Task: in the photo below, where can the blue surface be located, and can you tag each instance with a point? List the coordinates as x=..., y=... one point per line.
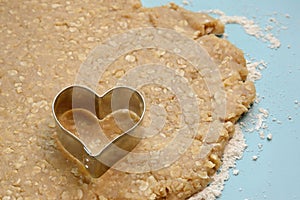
x=275, y=175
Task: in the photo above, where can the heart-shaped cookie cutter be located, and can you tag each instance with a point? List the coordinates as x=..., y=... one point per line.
x=80, y=98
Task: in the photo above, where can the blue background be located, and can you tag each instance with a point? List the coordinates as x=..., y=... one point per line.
x=275, y=175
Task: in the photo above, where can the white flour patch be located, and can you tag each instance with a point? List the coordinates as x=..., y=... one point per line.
x=250, y=27
x=233, y=151
x=255, y=68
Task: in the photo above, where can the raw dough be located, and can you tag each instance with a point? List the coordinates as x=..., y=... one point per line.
x=42, y=46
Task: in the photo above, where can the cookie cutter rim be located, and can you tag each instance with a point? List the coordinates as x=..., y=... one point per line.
x=91, y=162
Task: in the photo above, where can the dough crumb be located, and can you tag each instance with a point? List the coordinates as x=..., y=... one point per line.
x=269, y=137
x=235, y=172
x=254, y=158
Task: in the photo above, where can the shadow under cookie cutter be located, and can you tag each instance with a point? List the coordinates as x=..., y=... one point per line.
x=86, y=109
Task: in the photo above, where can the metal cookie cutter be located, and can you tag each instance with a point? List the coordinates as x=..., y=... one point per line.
x=80, y=113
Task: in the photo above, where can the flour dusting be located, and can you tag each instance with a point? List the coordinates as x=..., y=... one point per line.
x=254, y=68
x=233, y=151
x=250, y=27
x=257, y=122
